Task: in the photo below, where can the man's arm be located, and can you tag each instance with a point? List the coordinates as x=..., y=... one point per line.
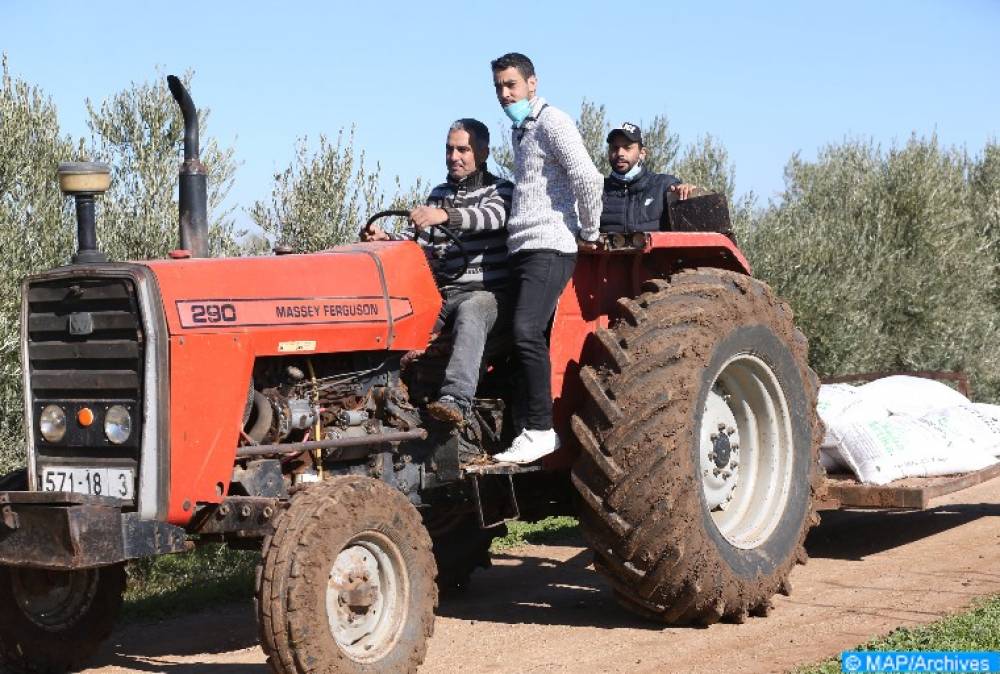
x=421, y=217
x=489, y=214
x=588, y=183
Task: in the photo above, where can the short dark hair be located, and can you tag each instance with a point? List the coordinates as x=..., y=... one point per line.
x=514, y=60
x=479, y=134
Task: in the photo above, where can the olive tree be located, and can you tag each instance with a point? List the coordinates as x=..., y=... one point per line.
x=325, y=195
x=888, y=258
x=140, y=131
x=36, y=229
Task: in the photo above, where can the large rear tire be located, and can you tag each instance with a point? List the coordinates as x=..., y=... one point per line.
x=700, y=449
x=52, y=621
x=346, y=582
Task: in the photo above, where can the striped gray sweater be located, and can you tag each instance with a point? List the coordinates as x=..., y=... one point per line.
x=477, y=209
x=558, y=189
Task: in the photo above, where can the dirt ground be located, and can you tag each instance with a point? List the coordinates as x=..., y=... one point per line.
x=543, y=609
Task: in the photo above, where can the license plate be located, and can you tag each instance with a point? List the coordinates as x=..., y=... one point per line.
x=115, y=482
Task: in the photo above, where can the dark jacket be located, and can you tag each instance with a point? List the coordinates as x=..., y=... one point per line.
x=636, y=206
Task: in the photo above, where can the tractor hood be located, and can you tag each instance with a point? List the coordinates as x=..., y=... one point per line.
x=360, y=297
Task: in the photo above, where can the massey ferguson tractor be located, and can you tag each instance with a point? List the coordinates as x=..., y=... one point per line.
x=278, y=403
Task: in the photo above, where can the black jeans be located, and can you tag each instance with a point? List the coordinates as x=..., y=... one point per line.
x=537, y=280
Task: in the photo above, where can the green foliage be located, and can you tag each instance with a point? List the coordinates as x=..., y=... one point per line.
x=36, y=230
x=140, y=133
x=322, y=198
x=161, y=586
x=974, y=630
x=560, y=530
x=886, y=258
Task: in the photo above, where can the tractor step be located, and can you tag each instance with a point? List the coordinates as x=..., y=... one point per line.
x=498, y=468
x=493, y=490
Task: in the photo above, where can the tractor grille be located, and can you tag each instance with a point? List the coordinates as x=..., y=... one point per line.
x=85, y=349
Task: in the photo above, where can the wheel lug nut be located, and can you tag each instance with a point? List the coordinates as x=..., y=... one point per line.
x=722, y=427
x=730, y=430
x=713, y=436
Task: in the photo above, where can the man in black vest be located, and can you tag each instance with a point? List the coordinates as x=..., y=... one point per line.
x=635, y=199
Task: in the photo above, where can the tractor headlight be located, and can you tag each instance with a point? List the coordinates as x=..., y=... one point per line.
x=117, y=424
x=52, y=423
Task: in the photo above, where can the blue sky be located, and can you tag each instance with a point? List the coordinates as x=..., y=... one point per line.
x=766, y=79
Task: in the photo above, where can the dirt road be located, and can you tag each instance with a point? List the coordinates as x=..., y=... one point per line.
x=543, y=609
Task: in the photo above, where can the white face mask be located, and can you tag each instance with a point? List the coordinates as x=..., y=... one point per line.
x=631, y=174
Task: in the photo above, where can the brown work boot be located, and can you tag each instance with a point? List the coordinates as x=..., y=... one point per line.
x=449, y=409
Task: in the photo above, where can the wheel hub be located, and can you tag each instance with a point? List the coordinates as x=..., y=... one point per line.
x=366, y=596
x=719, y=451
x=723, y=449
x=746, y=451
x=52, y=598
x=354, y=584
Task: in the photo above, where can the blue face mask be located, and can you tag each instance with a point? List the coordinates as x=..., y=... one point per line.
x=519, y=111
x=631, y=174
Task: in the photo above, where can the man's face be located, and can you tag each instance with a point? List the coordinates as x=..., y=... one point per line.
x=459, y=155
x=623, y=153
x=512, y=87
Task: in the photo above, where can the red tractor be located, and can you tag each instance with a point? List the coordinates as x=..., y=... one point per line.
x=269, y=403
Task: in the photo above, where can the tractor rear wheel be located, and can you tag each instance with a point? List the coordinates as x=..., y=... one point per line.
x=700, y=445
x=51, y=621
x=346, y=582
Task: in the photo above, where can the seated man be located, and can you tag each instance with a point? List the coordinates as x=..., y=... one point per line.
x=635, y=198
x=474, y=204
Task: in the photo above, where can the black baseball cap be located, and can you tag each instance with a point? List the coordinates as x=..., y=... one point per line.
x=629, y=130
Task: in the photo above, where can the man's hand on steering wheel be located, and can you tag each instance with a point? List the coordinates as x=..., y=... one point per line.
x=373, y=233
x=423, y=217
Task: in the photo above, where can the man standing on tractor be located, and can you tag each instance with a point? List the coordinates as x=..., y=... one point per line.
x=474, y=204
x=635, y=198
x=556, y=210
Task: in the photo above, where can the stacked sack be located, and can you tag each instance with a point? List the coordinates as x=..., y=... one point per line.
x=904, y=426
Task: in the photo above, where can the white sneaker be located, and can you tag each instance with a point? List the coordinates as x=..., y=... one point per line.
x=530, y=446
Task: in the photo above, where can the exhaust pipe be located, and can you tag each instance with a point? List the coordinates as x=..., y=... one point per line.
x=193, y=178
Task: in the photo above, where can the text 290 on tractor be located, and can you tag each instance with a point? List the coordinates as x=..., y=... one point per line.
x=269, y=403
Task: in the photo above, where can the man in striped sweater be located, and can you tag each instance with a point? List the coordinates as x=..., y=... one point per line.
x=474, y=204
x=556, y=210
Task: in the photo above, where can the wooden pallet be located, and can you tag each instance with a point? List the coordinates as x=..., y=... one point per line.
x=844, y=491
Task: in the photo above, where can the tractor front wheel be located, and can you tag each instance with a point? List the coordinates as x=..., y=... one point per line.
x=346, y=582
x=51, y=621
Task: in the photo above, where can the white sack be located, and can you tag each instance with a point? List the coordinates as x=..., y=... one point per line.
x=840, y=405
x=968, y=426
x=889, y=449
x=830, y=461
x=987, y=410
x=901, y=394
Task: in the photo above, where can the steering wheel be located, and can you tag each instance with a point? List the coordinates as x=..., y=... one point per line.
x=450, y=235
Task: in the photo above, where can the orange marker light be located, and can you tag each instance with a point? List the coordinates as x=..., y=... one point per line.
x=85, y=416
